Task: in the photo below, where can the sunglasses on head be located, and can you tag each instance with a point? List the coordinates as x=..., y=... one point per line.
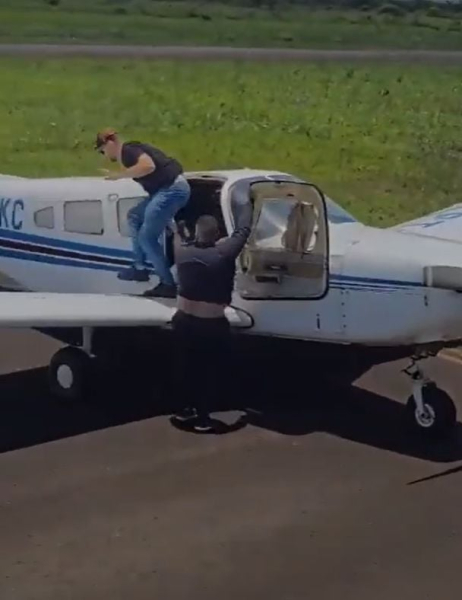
x=101, y=143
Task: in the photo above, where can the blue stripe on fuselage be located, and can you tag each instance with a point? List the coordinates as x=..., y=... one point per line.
x=372, y=280
x=64, y=244
x=57, y=260
x=336, y=281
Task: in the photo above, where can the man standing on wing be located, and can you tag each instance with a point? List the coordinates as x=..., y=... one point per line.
x=168, y=191
x=206, y=271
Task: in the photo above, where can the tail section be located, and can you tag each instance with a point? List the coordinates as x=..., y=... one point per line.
x=444, y=224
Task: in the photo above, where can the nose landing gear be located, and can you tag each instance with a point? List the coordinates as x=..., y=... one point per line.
x=430, y=411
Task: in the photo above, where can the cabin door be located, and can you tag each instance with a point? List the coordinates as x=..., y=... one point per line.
x=287, y=253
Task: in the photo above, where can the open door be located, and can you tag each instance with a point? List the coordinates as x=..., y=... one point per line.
x=287, y=253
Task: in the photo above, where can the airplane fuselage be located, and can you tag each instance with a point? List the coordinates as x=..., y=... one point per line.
x=70, y=235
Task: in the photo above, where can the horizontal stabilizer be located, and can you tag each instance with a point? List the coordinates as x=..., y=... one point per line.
x=35, y=310
x=445, y=224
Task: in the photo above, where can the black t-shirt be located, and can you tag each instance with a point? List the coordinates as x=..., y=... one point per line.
x=167, y=168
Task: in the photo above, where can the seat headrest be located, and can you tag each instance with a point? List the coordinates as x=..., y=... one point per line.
x=300, y=227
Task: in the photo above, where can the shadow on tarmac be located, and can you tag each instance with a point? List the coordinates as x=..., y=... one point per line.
x=30, y=416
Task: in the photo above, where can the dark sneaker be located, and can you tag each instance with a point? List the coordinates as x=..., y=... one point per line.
x=161, y=291
x=183, y=416
x=204, y=425
x=133, y=274
x=189, y=420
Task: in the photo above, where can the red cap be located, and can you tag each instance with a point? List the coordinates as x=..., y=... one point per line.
x=104, y=136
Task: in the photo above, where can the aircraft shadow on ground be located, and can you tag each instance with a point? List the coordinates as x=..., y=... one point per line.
x=29, y=416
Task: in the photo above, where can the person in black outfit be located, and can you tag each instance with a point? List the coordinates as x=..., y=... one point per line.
x=168, y=191
x=206, y=271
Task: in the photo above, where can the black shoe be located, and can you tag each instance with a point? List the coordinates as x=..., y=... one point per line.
x=133, y=274
x=188, y=420
x=204, y=425
x=185, y=415
x=162, y=290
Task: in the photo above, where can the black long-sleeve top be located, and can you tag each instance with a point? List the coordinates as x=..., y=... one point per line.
x=206, y=272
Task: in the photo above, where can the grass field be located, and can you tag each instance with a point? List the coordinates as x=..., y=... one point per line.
x=206, y=23
x=384, y=141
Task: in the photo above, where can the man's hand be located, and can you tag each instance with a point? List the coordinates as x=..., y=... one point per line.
x=182, y=230
x=111, y=175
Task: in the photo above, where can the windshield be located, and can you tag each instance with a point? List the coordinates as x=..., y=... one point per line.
x=337, y=214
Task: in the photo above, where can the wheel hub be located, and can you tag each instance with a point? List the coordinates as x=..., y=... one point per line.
x=427, y=417
x=65, y=376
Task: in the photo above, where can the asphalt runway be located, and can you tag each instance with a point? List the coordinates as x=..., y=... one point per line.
x=320, y=496
x=425, y=57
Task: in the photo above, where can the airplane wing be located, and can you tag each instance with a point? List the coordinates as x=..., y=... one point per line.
x=35, y=310
x=444, y=224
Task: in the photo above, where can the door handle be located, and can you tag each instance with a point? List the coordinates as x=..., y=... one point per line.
x=267, y=279
x=277, y=268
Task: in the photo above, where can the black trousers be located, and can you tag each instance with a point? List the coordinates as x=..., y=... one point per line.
x=203, y=347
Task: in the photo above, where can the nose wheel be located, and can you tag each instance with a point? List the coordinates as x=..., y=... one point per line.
x=430, y=411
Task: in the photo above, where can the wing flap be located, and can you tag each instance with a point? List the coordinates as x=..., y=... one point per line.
x=444, y=224
x=31, y=309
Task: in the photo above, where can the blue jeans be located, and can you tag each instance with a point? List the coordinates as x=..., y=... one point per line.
x=148, y=220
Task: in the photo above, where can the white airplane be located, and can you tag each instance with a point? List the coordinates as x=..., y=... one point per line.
x=354, y=296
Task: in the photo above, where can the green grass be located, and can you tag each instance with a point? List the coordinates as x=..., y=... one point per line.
x=183, y=23
x=384, y=141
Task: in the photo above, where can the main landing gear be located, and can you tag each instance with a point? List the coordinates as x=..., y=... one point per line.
x=72, y=370
x=430, y=410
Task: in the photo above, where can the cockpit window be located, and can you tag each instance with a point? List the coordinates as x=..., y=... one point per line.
x=336, y=214
x=45, y=218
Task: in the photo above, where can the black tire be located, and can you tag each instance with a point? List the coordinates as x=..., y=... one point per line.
x=443, y=414
x=71, y=374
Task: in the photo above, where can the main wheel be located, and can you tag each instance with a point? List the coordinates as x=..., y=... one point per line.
x=70, y=374
x=439, y=417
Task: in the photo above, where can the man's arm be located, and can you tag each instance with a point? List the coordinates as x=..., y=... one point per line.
x=143, y=166
x=232, y=246
x=179, y=236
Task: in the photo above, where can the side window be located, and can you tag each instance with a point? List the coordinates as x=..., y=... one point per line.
x=84, y=216
x=45, y=218
x=123, y=206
